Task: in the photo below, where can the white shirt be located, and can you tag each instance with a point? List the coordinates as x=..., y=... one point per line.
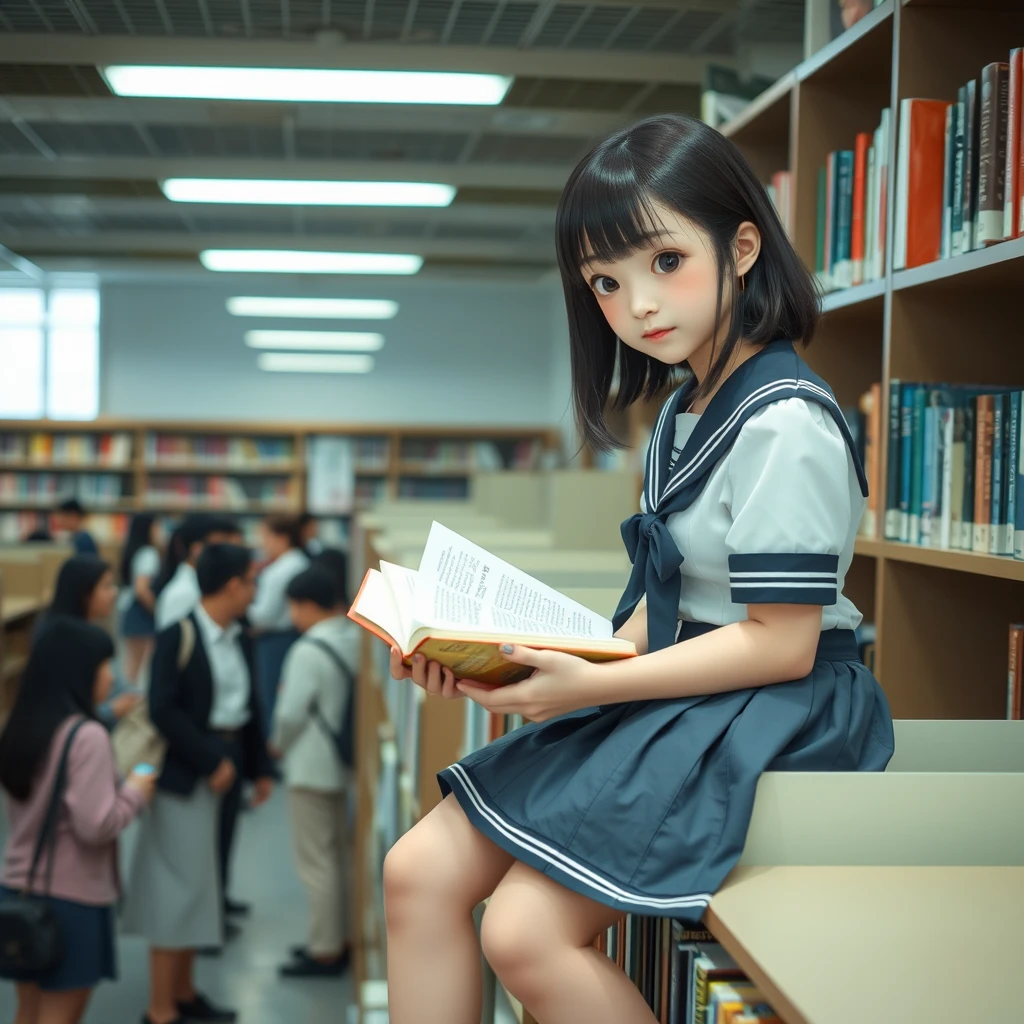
x=179, y=598
x=788, y=486
x=145, y=565
x=230, y=673
x=269, y=611
x=310, y=674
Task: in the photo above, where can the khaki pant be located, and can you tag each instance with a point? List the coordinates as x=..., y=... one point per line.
x=320, y=836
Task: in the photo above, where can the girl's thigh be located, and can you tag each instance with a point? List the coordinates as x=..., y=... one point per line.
x=65, y=1007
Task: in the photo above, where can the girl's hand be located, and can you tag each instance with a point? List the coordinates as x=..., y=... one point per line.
x=435, y=679
x=560, y=684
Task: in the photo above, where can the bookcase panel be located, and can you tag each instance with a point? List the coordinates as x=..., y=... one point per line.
x=847, y=350
x=945, y=641
x=763, y=134
x=861, y=584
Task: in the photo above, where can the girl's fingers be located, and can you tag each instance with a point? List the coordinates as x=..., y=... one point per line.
x=419, y=670
x=448, y=689
x=398, y=670
x=434, y=682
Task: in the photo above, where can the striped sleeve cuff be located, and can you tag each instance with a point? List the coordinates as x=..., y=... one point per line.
x=783, y=579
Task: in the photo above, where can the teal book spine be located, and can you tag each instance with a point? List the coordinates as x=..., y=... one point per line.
x=917, y=465
x=892, y=469
x=997, y=513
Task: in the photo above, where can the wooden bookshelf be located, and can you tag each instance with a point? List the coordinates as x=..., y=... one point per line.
x=381, y=471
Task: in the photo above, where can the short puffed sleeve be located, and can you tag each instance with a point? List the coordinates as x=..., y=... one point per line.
x=792, y=497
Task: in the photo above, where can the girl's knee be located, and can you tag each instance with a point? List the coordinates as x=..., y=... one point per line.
x=514, y=946
x=418, y=874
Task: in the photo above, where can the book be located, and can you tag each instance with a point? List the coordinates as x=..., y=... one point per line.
x=970, y=192
x=1014, y=122
x=995, y=86
x=996, y=512
x=892, y=468
x=957, y=213
x=860, y=186
x=949, y=165
x=984, y=427
x=463, y=602
x=1014, y=669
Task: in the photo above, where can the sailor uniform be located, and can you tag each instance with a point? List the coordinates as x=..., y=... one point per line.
x=644, y=805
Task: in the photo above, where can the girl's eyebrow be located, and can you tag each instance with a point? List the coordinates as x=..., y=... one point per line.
x=647, y=236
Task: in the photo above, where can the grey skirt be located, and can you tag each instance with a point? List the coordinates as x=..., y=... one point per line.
x=173, y=896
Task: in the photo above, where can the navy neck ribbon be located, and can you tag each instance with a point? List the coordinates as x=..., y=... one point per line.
x=775, y=373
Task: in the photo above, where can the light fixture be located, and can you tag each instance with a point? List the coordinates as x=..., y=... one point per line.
x=307, y=85
x=302, y=261
x=312, y=309
x=309, y=362
x=316, y=341
x=307, y=193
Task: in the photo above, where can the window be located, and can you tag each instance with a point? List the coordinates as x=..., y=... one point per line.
x=49, y=353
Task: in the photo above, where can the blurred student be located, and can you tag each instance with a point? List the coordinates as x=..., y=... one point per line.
x=140, y=565
x=309, y=721
x=309, y=533
x=209, y=714
x=85, y=589
x=69, y=522
x=68, y=674
x=282, y=542
x=177, y=587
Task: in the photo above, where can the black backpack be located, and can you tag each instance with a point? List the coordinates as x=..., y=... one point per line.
x=344, y=741
x=31, y=941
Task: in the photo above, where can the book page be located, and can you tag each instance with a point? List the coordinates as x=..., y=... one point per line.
x=376, y=604
x=462, y=585
x=401, y=582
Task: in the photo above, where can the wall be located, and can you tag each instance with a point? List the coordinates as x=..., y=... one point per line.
x=459, y=352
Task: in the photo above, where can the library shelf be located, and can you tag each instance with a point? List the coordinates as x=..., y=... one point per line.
x=419, y=469
x=855, y=296
x=14, y=608
x=225, y=469
x=66, y=467
x=1001, y=567
x=866, y=41
x=45, y=506
x=766, y=115
x=997, y=266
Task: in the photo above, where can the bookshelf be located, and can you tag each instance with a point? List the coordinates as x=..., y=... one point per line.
x=117, y=467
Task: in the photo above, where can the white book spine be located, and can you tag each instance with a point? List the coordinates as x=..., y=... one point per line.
x=899, y=256
x=947, y=188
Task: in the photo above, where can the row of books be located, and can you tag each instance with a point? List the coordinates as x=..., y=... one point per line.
x=220, y=492
x=47, y=489
x=864, y=420
x=107, y=528
x=371, y=454
x=433, y=490
x=107, y=450
x=684, y=974
x=852, y=202
x=954, y=477
x=218, y=450
x=1014, y=672
x=960, y=168
x=466, y=456
x=370, y=489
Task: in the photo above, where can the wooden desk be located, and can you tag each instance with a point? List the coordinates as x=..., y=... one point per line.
x=893, y=945
x=12, y=608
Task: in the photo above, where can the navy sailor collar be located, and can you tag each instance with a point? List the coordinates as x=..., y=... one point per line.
x=774, y=374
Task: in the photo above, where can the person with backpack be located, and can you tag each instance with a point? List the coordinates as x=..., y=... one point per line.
x=66, y=807
x=312, y=732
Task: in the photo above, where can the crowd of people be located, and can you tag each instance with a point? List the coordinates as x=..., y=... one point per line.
x=240, y=671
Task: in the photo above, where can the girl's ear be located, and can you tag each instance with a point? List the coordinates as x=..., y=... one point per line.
x=748, y=247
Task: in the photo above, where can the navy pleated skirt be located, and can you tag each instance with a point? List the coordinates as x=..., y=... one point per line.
x=645, y=806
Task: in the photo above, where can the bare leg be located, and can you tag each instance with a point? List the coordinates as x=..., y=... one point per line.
x=165, y=966
x=538, y=936
x=184, y=986
x=136, y=650
x=63, y=1007
x=434, y=877
x=28, y=1003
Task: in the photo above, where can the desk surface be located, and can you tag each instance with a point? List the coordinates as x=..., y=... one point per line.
x=12, y=608
x=847, y=945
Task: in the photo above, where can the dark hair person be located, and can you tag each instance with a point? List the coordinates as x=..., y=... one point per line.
x=140, y=565
x=84, y=589
x=678, y=275
x=67, y=675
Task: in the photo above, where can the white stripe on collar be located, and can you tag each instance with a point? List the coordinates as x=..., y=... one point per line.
x=653, y=453
x=788, y=384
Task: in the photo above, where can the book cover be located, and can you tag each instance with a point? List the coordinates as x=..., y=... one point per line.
x=892, y=468
x=970, y=206
x=957, y=213
x=870, y=198
x=464, y=602
x=882, y=211
x=1014, y=122
x=929, y=471
x=948, y=162
x=970, y=453
x=920, y=179
x=917, y=463
x=1014, y=670
x=983, y=429
x=842, y=263
x=1018, y=523
x=946, y=429
x=1011, y=453
x=906, y=458
x=995, y=89
x=862, y=145
x=956, y=499
x=997, y=512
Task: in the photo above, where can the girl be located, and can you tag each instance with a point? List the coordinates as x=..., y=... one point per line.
x=632, y=789
x=67, y=676
x=283, y=543
x=140, y=565
x=85, y=589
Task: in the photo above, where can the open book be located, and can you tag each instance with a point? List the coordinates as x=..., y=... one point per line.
x=463, y=602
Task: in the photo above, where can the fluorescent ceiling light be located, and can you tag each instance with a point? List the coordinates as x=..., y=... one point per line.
x=307, y=193
x=316, y=341
x=301, y=261
x=306, y=362
x=308, y=85
x=312, y=309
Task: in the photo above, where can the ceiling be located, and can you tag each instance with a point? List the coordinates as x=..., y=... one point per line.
x=79, y=167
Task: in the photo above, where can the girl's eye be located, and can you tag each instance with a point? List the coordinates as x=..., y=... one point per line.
x=605, y=285
x=667, y=262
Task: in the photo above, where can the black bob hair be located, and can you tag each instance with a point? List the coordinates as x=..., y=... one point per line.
x=315, y=584
x=607, y=212
x=219, y=564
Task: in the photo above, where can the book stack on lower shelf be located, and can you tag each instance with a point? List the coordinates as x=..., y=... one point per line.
x=955, y=479
x=959, y=171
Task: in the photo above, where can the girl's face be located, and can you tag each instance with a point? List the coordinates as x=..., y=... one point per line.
x=661, y=299
x=274, y=544
x=101, y=601
x=104, y=681
x=156, y=536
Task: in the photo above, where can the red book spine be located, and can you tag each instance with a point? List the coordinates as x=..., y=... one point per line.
x=860, y=185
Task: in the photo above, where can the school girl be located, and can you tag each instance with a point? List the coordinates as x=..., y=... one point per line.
x=140, y=565
x=632, y=788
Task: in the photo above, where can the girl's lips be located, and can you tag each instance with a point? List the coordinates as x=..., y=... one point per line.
x=658, y=335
